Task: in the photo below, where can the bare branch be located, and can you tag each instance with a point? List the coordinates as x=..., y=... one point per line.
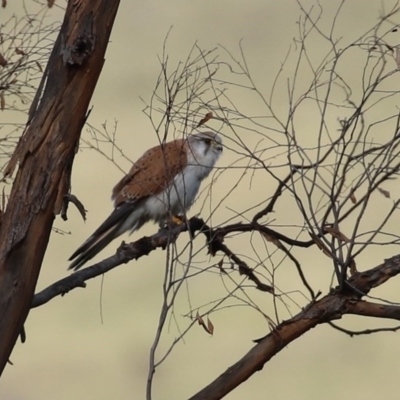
x=368, y=309
x=124, y=254
x=352, y=333
x=331, y=307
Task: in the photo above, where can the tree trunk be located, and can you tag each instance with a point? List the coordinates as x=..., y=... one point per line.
x=45, y=154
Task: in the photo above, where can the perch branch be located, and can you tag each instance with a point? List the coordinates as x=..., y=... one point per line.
x=124, y=254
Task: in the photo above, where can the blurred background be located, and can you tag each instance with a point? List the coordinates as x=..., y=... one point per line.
x=94, y=343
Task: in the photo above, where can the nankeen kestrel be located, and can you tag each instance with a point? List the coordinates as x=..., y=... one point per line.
x=162, y=184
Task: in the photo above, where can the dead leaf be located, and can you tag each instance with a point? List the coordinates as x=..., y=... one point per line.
x=3, y=61
x=208, y=116
x=50, y=3
x=384, y=193
x=353, y=198
x=352, y=267
x=20, y=52
x=337, y=234
x=210, y=326
x=271, y=239
x=3, y=3
x=199, y=319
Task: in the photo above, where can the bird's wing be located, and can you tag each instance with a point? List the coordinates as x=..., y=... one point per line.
x=152, y=173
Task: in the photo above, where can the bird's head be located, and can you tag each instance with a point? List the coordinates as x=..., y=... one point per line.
x=206, y=144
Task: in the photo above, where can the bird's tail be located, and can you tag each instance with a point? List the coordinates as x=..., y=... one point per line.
x=111, y=228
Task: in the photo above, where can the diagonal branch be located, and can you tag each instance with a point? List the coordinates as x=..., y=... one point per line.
x=44, y=157
x=331, y=307
x=364, y=331
x=376, y=310
x=124, y=254
x=140, y=248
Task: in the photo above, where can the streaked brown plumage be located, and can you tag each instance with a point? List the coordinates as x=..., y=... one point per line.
x=162, y=183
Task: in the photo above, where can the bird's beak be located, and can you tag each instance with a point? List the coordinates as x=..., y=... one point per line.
x=217, y=146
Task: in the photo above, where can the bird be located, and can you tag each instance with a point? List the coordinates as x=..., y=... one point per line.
x=161, y=185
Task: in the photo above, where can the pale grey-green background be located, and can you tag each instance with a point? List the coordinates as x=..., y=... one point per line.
x=70, y=352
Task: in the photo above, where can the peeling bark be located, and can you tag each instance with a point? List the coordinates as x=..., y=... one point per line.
x=44, y=156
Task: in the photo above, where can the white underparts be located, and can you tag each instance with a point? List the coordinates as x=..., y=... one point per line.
x=180, y=195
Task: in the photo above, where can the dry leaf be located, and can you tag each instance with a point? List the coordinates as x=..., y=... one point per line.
x=210, y=326
x=199, y=319
x=3, y=3
x=337, y=234
x=3, y=61
x=208, y=116
x=271, y=239
x=352, y=266
x=20, y=52
x=353, y=198
x=384, y=193
x=50, y=3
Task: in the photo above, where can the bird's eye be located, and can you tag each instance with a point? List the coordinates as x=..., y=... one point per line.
x=207, y=141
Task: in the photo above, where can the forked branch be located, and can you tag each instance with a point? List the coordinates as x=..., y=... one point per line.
x=331, y=307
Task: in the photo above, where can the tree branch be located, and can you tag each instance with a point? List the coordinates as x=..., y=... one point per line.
x=364, y=331
x=44, y=156
x=331, y=307
x=376, y=310
x=140, y=248
x=124, y=254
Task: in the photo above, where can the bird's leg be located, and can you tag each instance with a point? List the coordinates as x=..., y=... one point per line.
x=170, y=222
x=177, y=219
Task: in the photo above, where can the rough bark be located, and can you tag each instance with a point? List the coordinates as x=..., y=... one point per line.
x=44, y=156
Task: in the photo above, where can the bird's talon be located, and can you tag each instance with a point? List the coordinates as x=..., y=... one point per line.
x=177, y=219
